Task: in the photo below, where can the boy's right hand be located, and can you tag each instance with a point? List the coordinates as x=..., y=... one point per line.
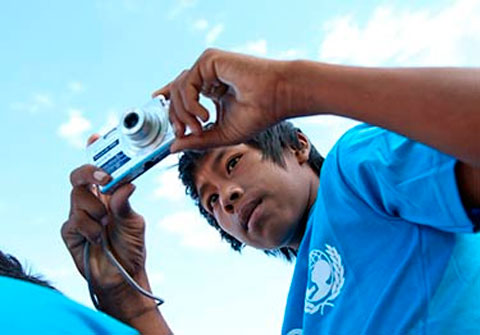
x=250, y=95
x=94, y=216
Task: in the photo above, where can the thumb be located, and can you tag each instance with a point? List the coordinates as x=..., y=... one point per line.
x=207, y=139
x=119, y=201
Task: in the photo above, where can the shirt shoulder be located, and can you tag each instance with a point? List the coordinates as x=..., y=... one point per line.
x=28, y=308
x=399, y=177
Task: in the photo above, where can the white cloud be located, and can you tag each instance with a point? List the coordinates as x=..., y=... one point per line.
x=213, y=34
x=193, y=230
x=75, y=128
x=200, y=24
x=290, y=54
x=255, y=48
x=112, y=121
x=179, y=7
x=169, y=186
x=450, y=36
x=42, y=100
x=38, y=102
x=76, y=87
x=156, y=278
x=59, y=273
x=260, y=48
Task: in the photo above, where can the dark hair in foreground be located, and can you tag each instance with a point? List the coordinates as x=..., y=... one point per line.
x=11, y=267
x=272, y=143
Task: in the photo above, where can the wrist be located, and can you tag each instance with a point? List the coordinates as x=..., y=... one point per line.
x=292, y=90
x=284, y=96
x=123, y=301
x=131, y=307
x=306, y=88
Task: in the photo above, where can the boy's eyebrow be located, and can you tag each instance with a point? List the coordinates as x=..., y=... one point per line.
x=218, y=158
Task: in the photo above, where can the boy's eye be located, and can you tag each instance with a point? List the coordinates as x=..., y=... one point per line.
x=212, y=199
x=232, y=162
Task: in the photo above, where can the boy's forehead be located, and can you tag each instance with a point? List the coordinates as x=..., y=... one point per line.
x=211, y=161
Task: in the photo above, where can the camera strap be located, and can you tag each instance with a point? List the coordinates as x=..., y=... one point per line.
x=123, y=272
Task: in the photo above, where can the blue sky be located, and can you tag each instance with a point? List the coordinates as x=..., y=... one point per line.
x=70, y=68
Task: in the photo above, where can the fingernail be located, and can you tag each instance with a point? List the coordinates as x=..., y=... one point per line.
x=175, y=129
x=100, y=175
x=104, y=220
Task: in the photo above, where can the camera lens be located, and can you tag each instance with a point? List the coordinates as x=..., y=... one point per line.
x=130, y=120
x=146, y=126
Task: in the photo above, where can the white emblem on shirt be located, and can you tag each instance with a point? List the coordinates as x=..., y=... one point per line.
x=326, y=279
x=297, y=331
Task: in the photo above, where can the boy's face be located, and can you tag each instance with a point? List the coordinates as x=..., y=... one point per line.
x=255, y=200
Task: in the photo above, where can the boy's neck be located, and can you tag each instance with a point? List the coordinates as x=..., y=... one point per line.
x=302, y=225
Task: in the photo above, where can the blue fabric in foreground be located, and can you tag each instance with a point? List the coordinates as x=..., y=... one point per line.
x=27, y=308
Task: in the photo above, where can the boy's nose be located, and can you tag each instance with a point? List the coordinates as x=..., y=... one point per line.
x=232, y=195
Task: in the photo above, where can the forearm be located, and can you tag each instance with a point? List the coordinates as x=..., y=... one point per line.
x=126, y=304
x=437, y=106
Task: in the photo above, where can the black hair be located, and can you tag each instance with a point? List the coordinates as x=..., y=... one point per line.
x=11, y=267
x=271, y=142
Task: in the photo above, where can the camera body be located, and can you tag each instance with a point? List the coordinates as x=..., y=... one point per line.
x=141, y=140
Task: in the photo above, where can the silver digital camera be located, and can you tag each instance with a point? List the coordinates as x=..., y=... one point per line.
x=141, y=140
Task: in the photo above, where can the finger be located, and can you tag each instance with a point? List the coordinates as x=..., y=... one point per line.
x=74, y=243
x=92, y=139
x=71, y=239
x=178, y=127
x=190, y=93
x=81, y=224
x=208, y=139
x=88, y=175
x=81, y=199
x=182, y=115
x=165, y=91
x=190, y=98
x=209, y=73
x=219, y=110
x=119, y=202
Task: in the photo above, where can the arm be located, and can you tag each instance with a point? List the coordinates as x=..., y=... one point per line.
x=438, y=106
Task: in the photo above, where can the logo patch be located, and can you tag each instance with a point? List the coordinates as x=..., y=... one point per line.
x=326, y=279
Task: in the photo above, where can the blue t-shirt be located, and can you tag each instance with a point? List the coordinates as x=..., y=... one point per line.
x=383, y=251
x=27, y=308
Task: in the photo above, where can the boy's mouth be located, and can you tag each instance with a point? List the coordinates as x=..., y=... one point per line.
x=246, y=211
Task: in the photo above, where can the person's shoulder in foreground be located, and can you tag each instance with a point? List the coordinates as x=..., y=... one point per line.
x=27, y=308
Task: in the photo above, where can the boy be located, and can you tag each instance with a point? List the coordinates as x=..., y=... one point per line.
x=377, y=235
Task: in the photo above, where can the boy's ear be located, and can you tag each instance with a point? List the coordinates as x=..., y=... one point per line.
x=303, y=152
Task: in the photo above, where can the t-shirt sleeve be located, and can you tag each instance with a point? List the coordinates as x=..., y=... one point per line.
x=402, y=178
